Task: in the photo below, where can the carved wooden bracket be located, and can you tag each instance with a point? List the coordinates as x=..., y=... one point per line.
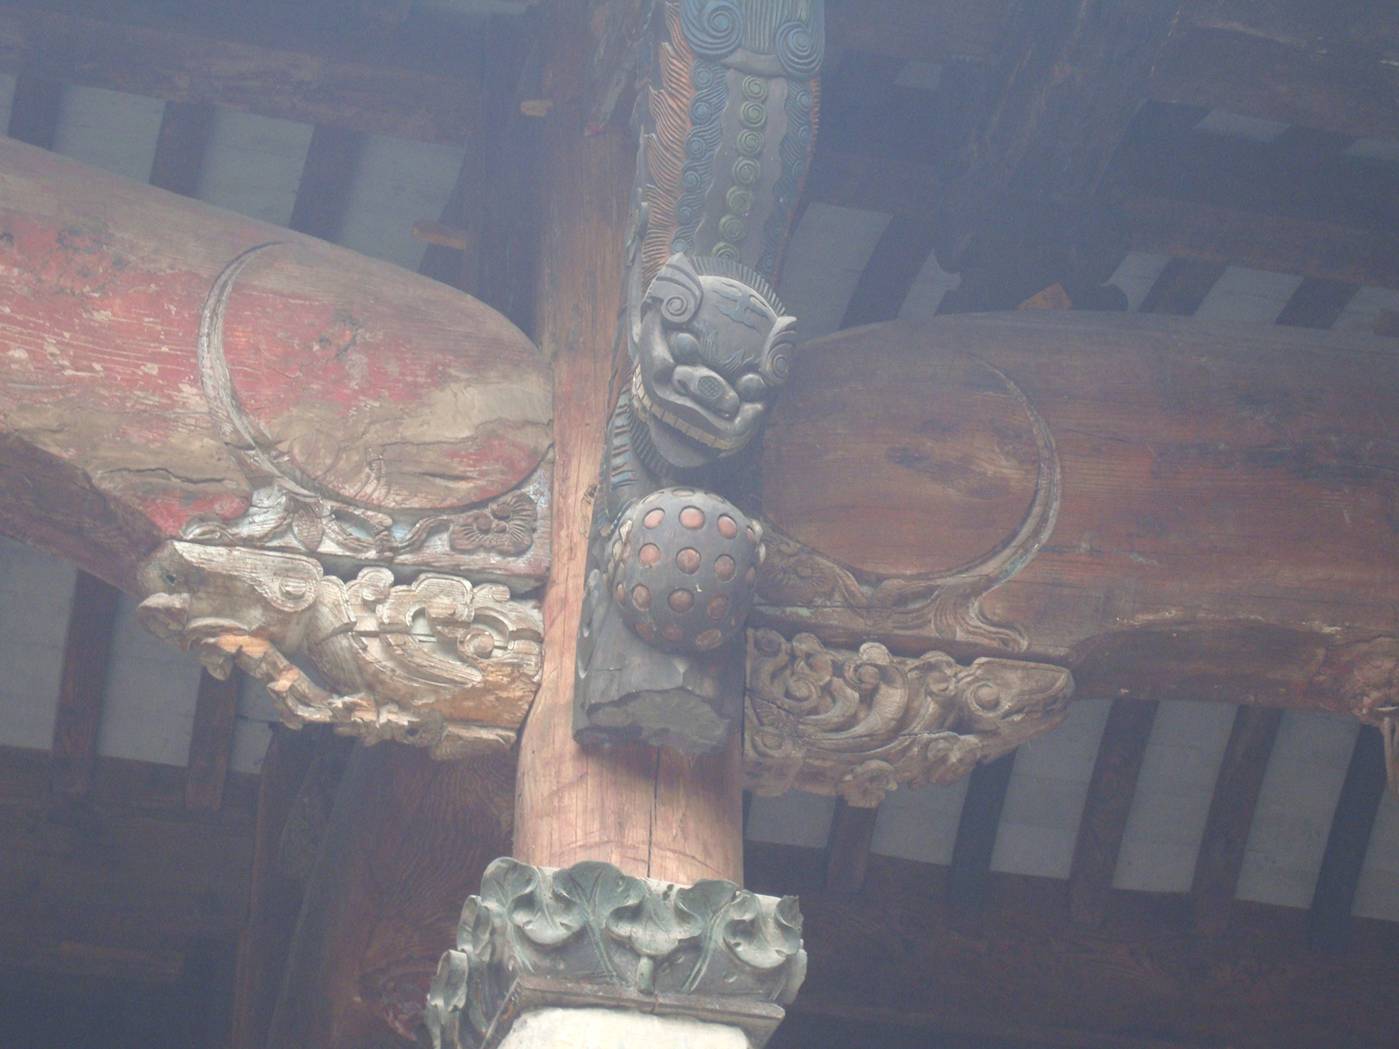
x=860, y=724
x=593, y=936
x=439, y=662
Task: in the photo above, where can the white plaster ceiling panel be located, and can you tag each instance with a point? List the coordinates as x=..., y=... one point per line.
x=1364, y=309
x=1135, y=275
x=920, y=823
x=152, y=687
x=926, y=293
x=7, y=96
x=794, y=818
x=1377, y=895
x=1243, y=294
x=253, y=164
x=827, y=254
x=397, y=183
x=1172, y=800
x=109, y=129
x=1300, y=788
x=1045, y=797
x=36, y=593
x=1236, y=125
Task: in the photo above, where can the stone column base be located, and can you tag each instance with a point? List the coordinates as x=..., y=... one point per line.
x=710, y=957
x=618, y=1029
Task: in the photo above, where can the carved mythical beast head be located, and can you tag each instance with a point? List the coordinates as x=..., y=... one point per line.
x=711, y=349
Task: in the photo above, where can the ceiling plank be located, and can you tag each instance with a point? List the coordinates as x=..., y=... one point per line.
x=970, y=872
x=1329, y=922
x=211, y=745
x=848, y=850
x=1182, y=286
x=1236, y=792
x=323, y=193
x=87, y=652
x=894, y=954
x=1105, y=810
x=918, y=30
x=290, y=76
x=180, y=146
x=34, y=110
x=1324, y=66
x=894, y=265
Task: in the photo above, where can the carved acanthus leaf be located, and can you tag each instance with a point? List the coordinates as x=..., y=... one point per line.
x=859, y=724
x=440, y=662
x=711, y=950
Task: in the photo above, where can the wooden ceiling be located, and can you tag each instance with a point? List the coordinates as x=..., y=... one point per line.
x=1021, y=146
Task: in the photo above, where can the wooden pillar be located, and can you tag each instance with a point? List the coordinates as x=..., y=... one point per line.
x=650, y=812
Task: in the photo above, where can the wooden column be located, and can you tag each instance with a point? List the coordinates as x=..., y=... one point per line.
x=650, y=812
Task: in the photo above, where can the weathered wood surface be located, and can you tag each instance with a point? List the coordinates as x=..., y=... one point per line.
x=82, y=687
x=1028, y=976
x=649, y=812
x=375, y=391
x=195, y=54
x=1221, y=526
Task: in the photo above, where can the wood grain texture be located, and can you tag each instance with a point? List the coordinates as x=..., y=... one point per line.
x=87, y=650
x=211, y=742
x=918, y=30
x=383, y=388
x=1106, y=808
x=653, y=813
x=1330, y=926
x=1224, y=526
x=1235, y=798
x=1289, y=61
x=306, y=78
x=1028, y=976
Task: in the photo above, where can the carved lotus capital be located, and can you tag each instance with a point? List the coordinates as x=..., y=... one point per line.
x=591, y=935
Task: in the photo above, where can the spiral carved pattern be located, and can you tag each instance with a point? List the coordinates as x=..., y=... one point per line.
x=714, y=28
x=801, y=47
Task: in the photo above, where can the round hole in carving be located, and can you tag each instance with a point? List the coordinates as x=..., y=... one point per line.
x=728, y=527
x=681, y=600
x=709, y=639
x=621, y=593
x=692, y=517
x=641, y=597
x=654, y=518
x=718, y=607
x=688, y=560
x=724, y=566
x=650, y=555
x=645, y=631
x=671, y=632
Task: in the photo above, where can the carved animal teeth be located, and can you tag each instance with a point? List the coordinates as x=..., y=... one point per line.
x=655, y=411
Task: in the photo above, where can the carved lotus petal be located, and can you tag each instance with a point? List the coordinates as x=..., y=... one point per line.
x=761, y=938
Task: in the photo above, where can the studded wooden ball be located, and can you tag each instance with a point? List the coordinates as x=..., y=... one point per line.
x=682, y=571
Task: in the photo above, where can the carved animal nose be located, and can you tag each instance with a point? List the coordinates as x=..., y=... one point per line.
x=708, y=388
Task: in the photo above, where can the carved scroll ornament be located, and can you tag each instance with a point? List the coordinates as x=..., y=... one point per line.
x=440, y=662
x=859, y=724
x=591, y=935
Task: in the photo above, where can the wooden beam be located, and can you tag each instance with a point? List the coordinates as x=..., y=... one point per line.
x=894, y=265
x=1330, y=926
x=1192, y=553
x=323, y=194
x=1288, y=61
x=34, y=110
x=87, y=650
x=1110, y=793
x=279, y=74
x=893, y=954
x=1182, y=286
x=918, y=30
x=848, y=850
x=1236, y=791
x=104, y=454
x=1320, y=250
x=1317, y=302
x=179, y=148
x=970, y=873
x=211, y=744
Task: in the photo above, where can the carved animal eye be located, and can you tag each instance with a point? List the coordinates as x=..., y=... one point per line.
x=685, y=348
x=751, y=387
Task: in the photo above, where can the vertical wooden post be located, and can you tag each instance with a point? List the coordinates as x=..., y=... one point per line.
x=653, y=813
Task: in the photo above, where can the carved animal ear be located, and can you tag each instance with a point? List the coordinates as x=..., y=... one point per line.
x=676, y=289
x=777, y=354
